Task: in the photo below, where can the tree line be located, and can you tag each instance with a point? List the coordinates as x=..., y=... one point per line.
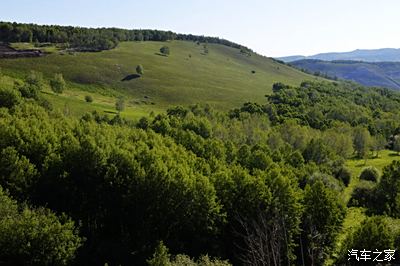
x=94, y=38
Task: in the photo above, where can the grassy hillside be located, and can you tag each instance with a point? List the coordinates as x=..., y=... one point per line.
x=222, y=78
x=383, y=74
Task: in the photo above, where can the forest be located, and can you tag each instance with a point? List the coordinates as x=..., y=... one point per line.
x=94, y=39
x=257, y=185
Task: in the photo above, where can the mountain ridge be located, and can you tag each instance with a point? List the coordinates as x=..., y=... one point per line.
x=366, y=55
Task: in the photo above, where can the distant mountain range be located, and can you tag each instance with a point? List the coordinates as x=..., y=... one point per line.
x=377, y=55
x=379, y=74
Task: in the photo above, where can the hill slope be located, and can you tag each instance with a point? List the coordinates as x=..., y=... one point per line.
x=222, y=78
x=383, y=74
x=374, y=55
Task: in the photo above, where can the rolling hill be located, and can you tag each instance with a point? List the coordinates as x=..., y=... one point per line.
x=374, y=55
x=380, y=74
x=224, y=77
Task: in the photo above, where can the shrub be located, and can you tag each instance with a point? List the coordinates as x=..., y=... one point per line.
x=120, y=104
x=164, y=50
x=363, y=195
x=88, y=98
x=370, y=174
x=58, y=84
x=140, y=70
x=344, y=175
x=9, y=97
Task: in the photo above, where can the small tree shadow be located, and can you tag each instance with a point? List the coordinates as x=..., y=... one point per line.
x=161, y=54
x=130, y=77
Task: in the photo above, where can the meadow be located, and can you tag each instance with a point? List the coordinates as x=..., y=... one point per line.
x=222, y=78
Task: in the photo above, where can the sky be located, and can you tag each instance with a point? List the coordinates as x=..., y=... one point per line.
x=270, y=27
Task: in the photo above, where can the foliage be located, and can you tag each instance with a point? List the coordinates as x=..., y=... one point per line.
x=9, y=97
x=120, y=104
x=372, y=234
x=161, y=257
x=35, y=236
x=94, y=38
x=58, y=84
x=323, y=216
x=88, y=99
x=140, y=69
x=164, y=50
x=370, y=174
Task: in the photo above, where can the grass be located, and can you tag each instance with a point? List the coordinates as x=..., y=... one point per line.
x=223, y=78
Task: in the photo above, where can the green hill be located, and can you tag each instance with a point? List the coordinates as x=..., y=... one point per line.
x=224, y=77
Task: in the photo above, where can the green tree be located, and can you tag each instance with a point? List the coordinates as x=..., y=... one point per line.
x=378, y=143
x=322, y=219
x=388, y=191
x=362, y=142
x=160, y=257
x=35, y=236
x=396, y=144
x=17, y=174
x=164, y=50
x=58, y=84
x=120, y=104
x=35, y=81
x=140, y=70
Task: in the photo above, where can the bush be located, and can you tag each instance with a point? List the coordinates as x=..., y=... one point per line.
x=58, y=84
x=370, y=174
x=344, y=175
x=161, y=257
x=9, y=97
x=88, y=98
x=363, y=195
x=140, y=70
x=164, y=50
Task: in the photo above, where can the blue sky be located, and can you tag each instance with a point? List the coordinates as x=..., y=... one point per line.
x=272, y=28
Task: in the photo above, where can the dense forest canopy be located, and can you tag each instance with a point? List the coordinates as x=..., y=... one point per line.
x=258, y=183
x=94, y=38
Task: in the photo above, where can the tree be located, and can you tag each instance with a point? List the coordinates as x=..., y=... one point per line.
x=140, y=70
x=160, y=257
x=388, y=191
x=164, y=50
x=120, y=104
x=322, y=219
x=58, y=84
x=362, y=142
x=17, y=174
x=35, y=81
x=35, y=236
x=396, y=144
x=378, y=143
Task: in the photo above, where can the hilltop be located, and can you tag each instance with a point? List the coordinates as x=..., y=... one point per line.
x=372, y=55
x=224, y=77
x=380, y=74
